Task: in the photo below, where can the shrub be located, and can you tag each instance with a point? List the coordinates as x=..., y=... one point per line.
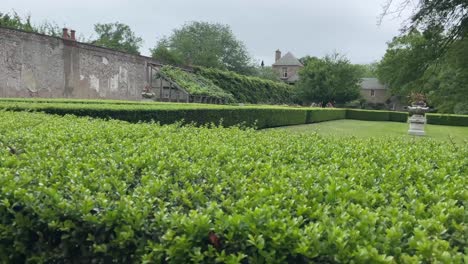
x=249, y=89
x=82, y=190
x=260, y=117
x=369, y=115
x=194, y=84
x=325, y=114
x=447, y=120
x=398, y=116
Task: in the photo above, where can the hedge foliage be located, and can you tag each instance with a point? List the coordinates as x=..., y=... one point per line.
x=81, y=190
x=375, y=115
x=261, y=116
x=324, y=114
x=447, y=120
x=252, y=116
x=195, y=84
x=249, y=89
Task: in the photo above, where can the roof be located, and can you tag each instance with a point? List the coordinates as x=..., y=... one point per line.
x=288, y=60
x=372, y=83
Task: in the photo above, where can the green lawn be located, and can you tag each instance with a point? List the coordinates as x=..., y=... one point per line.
x=366, y=129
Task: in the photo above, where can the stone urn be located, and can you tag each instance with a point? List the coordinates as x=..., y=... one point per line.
x=417, y=119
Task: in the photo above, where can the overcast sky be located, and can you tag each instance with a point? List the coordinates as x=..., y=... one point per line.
x=304, y=27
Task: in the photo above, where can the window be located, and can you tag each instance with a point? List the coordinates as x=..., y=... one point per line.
x=284, y=72
x=372, y=93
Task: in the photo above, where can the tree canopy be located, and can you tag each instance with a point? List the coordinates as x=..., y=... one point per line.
x=449, y=15
x=330, y=79
x=413, y=63
x=15, y=21
x=430, y=55
x=117, y=36
x=204, y=44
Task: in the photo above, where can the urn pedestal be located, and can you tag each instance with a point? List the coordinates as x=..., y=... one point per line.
x=417, y=120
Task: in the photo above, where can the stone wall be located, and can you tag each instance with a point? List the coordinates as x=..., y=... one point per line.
x=380, y=95
x=35, y=65
x=292, y=70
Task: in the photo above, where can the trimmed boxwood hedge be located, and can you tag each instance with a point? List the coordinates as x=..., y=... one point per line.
x=367, y=115
x=324, y=114
x=447, y=120
x=80, y=190
x=398, y=116
x=375, y=115
x=258, y=116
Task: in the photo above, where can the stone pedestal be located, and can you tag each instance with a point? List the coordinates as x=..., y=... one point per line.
x=416, y=125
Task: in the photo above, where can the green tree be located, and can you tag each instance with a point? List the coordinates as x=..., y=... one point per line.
x=117, y=36
x=13, y=20
x=163, y=53
x=266, y=73
x=449, y=15
x=430, y=55
x=412, y=63
x=208, y=45
x=405, y=61
x=368, y=70
x=331, y=79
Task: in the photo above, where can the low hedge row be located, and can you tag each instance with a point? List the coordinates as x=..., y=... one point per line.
x=320, y=115
x=447, y=120
x=372, y=115
x=259, y=116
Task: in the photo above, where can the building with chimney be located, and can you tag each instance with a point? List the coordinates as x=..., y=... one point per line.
x=287, y=67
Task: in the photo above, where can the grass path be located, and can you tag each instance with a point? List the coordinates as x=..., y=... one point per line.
x=366, y=129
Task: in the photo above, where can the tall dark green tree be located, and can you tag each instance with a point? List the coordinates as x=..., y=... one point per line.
x=331, y=79
x=205, y=44
x=117, y=36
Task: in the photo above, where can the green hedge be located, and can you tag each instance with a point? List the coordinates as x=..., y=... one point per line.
x=83, y=190
x=320, y=115
x=398, y=117
x=369, y=115
x=195, y=84
x=375, y=115
x=248, y=89
x=260, y=116
x=447, y=120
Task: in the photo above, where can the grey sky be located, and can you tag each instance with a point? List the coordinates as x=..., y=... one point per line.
x=304, y=27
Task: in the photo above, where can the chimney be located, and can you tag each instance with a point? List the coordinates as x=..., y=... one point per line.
x=277, y=55
x=72, y=37
x=65, y=33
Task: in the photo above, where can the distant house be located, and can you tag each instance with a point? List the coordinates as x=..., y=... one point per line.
x=287, y=67
x=374, y=91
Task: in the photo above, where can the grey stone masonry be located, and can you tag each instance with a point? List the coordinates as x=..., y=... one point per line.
x=36, y=65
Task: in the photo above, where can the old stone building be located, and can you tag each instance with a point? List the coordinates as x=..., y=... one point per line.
x=287, y=67
x=373, y=91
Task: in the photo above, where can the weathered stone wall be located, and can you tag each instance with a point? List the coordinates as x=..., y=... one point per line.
x=380, y=95
x=35, y=65
x=292, y=70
